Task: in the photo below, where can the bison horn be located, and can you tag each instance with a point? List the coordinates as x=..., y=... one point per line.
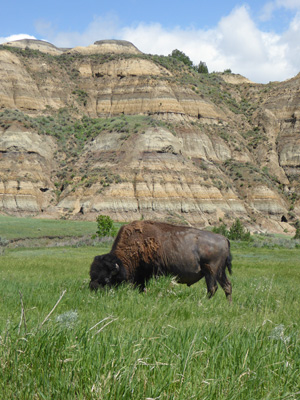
x=116, y=270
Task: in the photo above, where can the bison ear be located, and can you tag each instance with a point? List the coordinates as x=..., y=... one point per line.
x=116, y=269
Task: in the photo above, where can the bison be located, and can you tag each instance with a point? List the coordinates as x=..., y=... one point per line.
x=143, y=249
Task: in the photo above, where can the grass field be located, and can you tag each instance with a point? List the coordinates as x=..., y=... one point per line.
x=20, y=228
x=168, y=343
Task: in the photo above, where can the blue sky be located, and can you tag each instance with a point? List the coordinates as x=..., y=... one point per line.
x=260, y=40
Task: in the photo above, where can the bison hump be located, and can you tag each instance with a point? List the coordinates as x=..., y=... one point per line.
x=136, y=247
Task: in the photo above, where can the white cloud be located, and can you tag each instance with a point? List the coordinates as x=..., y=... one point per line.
x=267, y=11
x=272, y=6
x=291, y=38
x=15, y=37
x=236, y=43
x=260, y=56
x=288, y=4
x=100, y=28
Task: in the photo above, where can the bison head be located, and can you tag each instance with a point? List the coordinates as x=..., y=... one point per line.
x=106, y=270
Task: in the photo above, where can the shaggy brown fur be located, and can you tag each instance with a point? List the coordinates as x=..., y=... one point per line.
x=134, y=245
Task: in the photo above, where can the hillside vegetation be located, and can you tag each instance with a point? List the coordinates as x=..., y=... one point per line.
x=94, y=131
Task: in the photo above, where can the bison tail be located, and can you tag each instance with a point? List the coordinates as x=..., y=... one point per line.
x=229, y=264
x=229, y=260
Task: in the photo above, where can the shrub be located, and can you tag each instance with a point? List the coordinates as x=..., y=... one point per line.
x=105, y=226
x=222, y=230
x=202, y=68
x=179, y=55
x=236, y=232
x=3, y=243
x=297, y=233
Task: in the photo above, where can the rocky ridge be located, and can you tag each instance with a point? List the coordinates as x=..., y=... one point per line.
x=108, y=130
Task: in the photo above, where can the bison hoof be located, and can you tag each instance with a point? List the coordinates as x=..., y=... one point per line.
x=94, y=285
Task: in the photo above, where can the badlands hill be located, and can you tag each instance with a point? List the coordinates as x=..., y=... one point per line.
x=106, y=129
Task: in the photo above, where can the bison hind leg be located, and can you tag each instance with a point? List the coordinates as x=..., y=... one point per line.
x=226, y=286
x=211, y=284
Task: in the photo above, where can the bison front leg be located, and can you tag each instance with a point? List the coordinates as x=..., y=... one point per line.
x=139, y=283
x=141, y=286
x=94, y=285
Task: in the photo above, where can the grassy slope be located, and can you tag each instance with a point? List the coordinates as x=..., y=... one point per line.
x=19, y=228
x=170, y=343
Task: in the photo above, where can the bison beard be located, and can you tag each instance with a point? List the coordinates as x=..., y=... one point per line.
x=144, y=249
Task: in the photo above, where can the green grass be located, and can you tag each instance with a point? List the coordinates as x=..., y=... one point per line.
x=168, y=343
x=18, y=228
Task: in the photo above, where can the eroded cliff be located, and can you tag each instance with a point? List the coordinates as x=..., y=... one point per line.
x=108, y=130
